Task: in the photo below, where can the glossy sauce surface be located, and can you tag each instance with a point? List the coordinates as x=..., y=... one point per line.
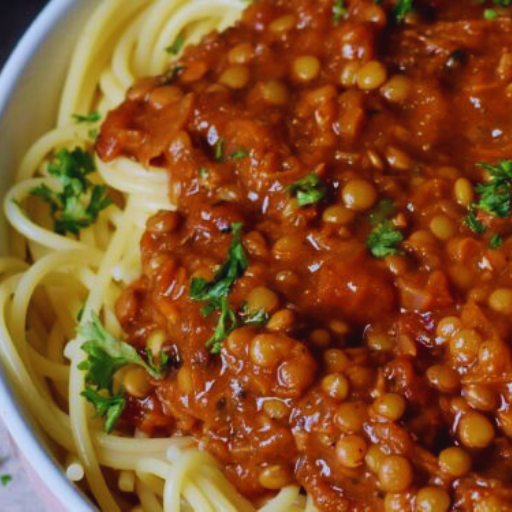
x=381, y=379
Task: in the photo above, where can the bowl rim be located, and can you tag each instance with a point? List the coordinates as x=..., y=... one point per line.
x=36, y=455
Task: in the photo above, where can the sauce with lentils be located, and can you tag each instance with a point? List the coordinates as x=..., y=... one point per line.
x=334, y=290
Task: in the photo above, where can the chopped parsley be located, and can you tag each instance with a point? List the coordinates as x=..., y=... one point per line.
x=176, y=46
x=384, y=240
x=172, y=74
x=161, y=366
x=226, y=324
x=93, y=117
x=495, y=241
x=203, y=172
x=219, y=150
x=110, y=407
x=310, y=190
x=473, y=223
x=492, y=14
x=215, y=293
x=106, y=355
x=78, y=203
x=384, y=209
x=402, y=9
x=493, y=196
x=238, y=154
x=5, y=479
x=255, y=318
x=80, y=313
x=338, y=10
x=93, y=134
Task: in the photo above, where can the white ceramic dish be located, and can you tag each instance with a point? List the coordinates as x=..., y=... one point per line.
x=30, y=85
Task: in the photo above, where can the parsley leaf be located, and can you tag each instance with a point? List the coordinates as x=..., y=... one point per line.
x=338, y=11
x=309, y=190
x=72, y=169
x=402, y=9
x=239, y=154
x=225, y=326
x=93, y=117
x=384, y=209
x=110, y=407
x=5, y=479
x=215, y=292
x=257, y=318
x=492, y=14
x=233, y=268
x=78, y=204
x=93, y=134
x=383, y=240
x=203, y=172
x=495, y=241
x=160, y=366
x=219, y=150
x=107, y=354
x=176, y=46
x=172, y=74
x=494, y=195
x=473, y=223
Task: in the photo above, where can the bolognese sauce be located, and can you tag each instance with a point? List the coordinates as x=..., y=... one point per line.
x=334, y=292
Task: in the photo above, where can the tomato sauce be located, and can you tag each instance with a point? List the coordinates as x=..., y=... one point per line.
x=380, y=377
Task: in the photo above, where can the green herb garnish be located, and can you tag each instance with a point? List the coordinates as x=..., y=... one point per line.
x=176, y=46
x=93, y=134
x=492, y=14
x=473, y=223
x=384, y=239
x=494, y=195
x=5, y=479
x=257, y=318
x=172, y=74
x=219, y=150
x=215, y=293
x=161, y=366
x=225, y=326
x=93, y=117
x=238, y=154
x=309, y=190
x=79, y=202
x=80, y=313
x=106, y=355
x=338, y=10
x=384, y=209
x=402, y=9
x=495, y=241
x=110, y=407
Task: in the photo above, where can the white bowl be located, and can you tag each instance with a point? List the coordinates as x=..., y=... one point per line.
x=30, y=85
